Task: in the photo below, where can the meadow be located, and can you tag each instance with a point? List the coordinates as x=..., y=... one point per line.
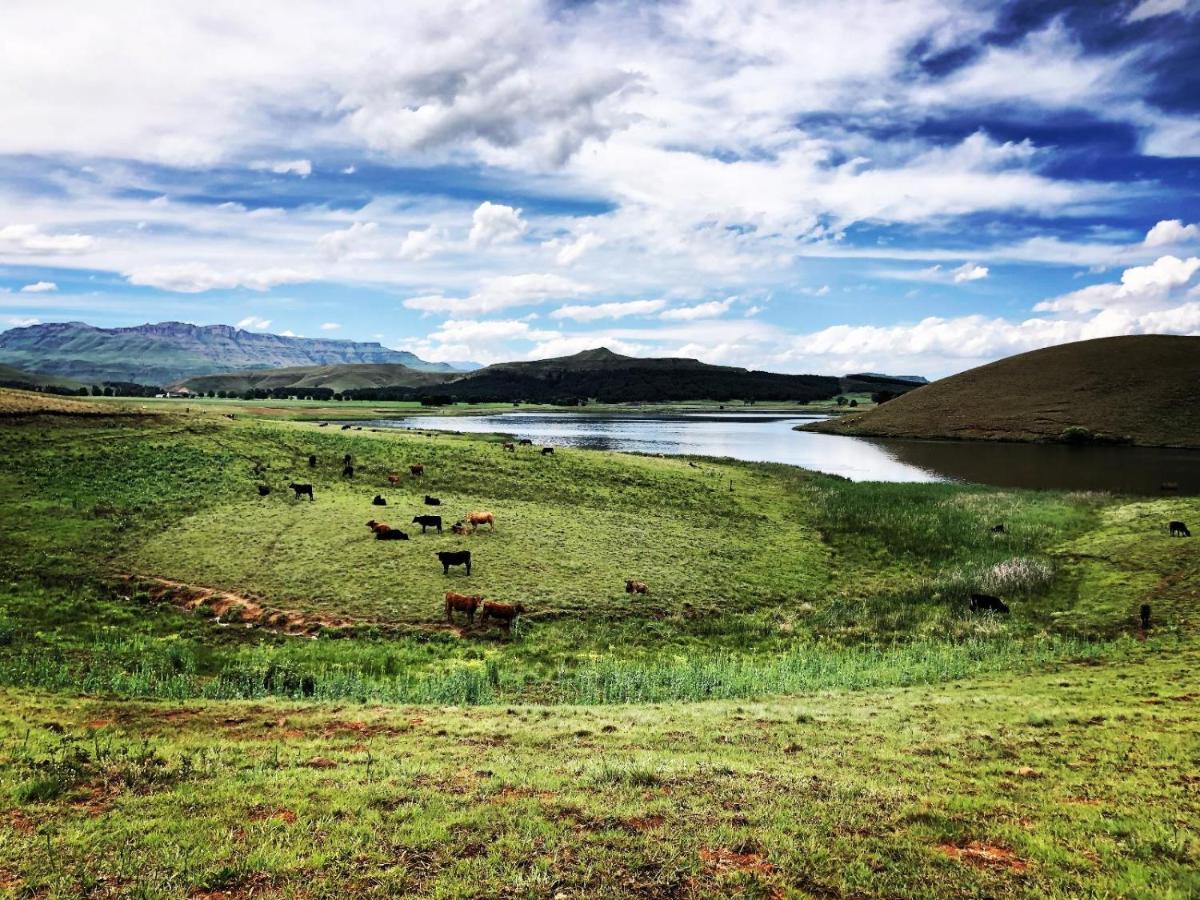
x=802, y=704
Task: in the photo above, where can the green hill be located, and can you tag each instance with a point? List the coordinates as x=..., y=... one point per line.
x=10, y=376
x=336, y=378
x=1139, y=389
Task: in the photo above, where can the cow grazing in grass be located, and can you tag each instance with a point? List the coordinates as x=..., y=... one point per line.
x=302, y=490
x=509, y=447
x=428, y=522
x=378, y=500
x=987, y=603
x=464, y=603
x=450, y=558
x=504, y=613
x=547, y=451
x=636, y=587
x=1178, y=529
x=263, y=489
x=525, y=442
x=417, y=470
x=999, y=529
x=312, y=461
x=432, y=501
x=322, y=424
x=345, y=428
x=476, y=519
x=394, y=479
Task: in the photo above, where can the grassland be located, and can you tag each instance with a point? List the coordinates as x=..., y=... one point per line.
x=802, y=705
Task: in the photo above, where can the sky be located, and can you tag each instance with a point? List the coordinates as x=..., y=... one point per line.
x=899, y=186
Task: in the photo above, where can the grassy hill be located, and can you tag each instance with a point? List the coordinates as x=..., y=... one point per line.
x=1140, y=389
x=337, y=378
x=12, y=377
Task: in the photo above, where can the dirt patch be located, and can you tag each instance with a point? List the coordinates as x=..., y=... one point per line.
x=988, y=856
x=321, y=762
x=720, y=860
x=646, y=823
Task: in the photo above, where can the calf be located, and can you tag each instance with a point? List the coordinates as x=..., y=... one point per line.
x=378, y=501
x=394, y=479
x=301, y=490
x=464, y=603
x=636, y=587
x=510, y=448
x=504, y=613
x=450, y=558
x=428, y=522
x=1178, y=529
x=432, y=501
x=416, y=470
x=263, y=489
x=458, y=528
x=547, y=451
x=987, y=603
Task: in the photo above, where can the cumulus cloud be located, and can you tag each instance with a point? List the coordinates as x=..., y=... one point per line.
x=195, y=278
x=1140, y=287
x=501, y=292
x=355, y=242
x=30, y=239
x=571, y=252
x=710, y=310
x=1171, y=231
x=422, y=243
x=21, y=321
x=608, y=310
x=254, y=323
x=494, y=223
x=39, y=287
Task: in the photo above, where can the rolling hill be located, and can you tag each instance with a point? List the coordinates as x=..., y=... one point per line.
x=170, y=351
x=335, y=378
x=13, y=377
x=1139, y=389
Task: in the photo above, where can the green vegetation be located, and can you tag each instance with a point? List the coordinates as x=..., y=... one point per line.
x=802, y=704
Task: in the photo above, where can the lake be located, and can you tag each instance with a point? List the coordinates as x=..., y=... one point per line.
x=769, y=437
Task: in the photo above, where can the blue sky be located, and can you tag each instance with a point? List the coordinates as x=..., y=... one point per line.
x=913, y=187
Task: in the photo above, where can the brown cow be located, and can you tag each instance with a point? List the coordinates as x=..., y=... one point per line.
x=458, y=528
x=394, y=479
x=465, y=603
x=504, y=613
x=416, y=470
x=377, y=526
x=476, y=519
x=636, y=587
x=510, y=447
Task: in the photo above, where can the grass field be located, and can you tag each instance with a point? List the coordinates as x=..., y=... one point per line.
x=802, y=704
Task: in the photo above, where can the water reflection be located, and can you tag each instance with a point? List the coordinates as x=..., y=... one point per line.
x=768, y=437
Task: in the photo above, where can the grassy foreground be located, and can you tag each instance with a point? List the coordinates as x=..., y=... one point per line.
x=801, y=706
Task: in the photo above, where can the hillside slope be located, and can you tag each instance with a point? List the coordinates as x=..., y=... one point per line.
x=10, y=376
x=1139, y=389
x=336, y=378
x=169, y=351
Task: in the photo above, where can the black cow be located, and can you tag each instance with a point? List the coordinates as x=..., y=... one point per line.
x=1145, y=614
x=263, y=490
x=987, y=603
x=312, y=461
x=347, y=459
x=301, y=490
x=428, y=522
x=525, y=442
x=450, y=558
x=1178, y=529
x=379, y=501
x=348, y=471
x=999, y=529
x=432, y=501
x=390, y=534
x=546, y=451
x=345, y=428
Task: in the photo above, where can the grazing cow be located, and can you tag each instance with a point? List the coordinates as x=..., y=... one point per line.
x=432, y=501
x=394, y=479
x=1178, y=529
x=312, y=461
x=999, y=529
x=263, y=490
x=476, y=519
x=986, y=603
x=1145, y=614
x=378, y=501
x=636, y=587
x=450, y=558
x=458, y=528
x=390, y=534
x=345, y=428
x=416, y=470
x=525, y=442
x=322, y=424
x=348, y=471
x=504, y=613
x=301, y=490
x=510, y=447
x=547, y=451
x=464, y=603
x=428, y=522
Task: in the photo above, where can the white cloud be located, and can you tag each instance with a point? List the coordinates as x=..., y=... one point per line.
x=287, y=333
x=422, y=244
x=1171, y=231
x=501, y=292
x=301, y=167
x=355, y=242
x=608, y=310
x=194, y=278
x=969, y=272
x=39, y=287
x=493, y=223
x=710, y=310
x=30, y=239
x=21, y=321
x=572, y=252
x=1140, y=287
x=962, y=274
x=1150, y=9
x=330, y=326
x=254, y=323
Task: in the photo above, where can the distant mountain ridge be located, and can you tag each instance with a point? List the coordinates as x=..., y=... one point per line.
x=353, y=376
x=166, y=352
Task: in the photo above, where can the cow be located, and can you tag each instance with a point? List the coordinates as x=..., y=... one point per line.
x=312, y=461
x=417, y=470
x=263, y=489
x=476, y=519
x=378, y=500
x=390, y=534
x=547, y=451
x=1178, y=529
x=987, y=603
x=636, y=587
x=428, y=522
x=432, y=501
x=525, y=442
x=504, y=613
x=394, y=479
x=301, y=490
x=345, y=428
x=458, y=528
x=450, y=558
x=1145, y=616
x=510, y=447
x=464, y=603
x=999, y=529
x=322, y=424
x=347, y=460
x=377, y=526
x=347, y=471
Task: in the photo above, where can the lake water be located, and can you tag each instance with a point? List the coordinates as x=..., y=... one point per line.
x=769, y=437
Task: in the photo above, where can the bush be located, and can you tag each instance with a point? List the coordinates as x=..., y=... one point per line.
x=1076, y=435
